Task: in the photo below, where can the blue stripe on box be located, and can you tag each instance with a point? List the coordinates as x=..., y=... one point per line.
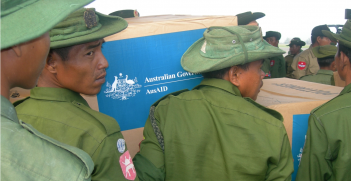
x=299, y=131
x=152, y=64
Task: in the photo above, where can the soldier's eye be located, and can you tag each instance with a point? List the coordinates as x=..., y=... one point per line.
x=90, y=53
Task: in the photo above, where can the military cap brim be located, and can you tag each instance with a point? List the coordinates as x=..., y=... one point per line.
x=33, y=19
x=300, y=43
x=344, y=37
x=247, y=17
x=272, y=34
x=195, y=61
x=109, y=26
x=126, y=13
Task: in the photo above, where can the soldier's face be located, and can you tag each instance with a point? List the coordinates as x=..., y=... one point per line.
x=340, y=59
x=253, y=23
x=273, y=41
x=294, y=49
x=250, y=80
x=84, y=70
x=324, y=41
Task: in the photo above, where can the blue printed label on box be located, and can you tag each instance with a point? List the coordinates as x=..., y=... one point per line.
x=141, y=71
x=299, y=131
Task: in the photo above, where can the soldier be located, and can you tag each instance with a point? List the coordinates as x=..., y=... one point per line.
x=326, y=155
x=249, y=18
x=26, y=154
x=277, y=64
x=295, y=48
x=74, y=66
x=325, y=56
x=216, y=130
x=306, y=63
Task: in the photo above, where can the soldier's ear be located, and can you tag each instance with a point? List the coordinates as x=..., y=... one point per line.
x=17, y=50
x=234, y=75
x=51, y=62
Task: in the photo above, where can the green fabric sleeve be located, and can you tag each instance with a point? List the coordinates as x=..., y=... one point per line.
x=332, y=80
x=149, y=162
x=284, y=167
x=266, y=68
x=282, y=68
x=314, y=166
x=146, y=170
x=106, y=159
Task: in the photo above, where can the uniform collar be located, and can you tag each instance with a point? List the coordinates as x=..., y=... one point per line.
x=221, y=84
x=232, y=89
x=310, y=49
x=327, y=72
x=57, y=94
x=7, y=110
x=347, y=89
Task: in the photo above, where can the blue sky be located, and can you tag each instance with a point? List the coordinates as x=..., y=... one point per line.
x=290, y=18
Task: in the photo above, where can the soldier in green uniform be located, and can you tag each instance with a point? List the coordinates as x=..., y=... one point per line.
x=325, y=56
x=295, y=48
x=217, y=131
x=306, y=63
x=55, y=107
x=277, y=63
x=27, y=154
x=326, y=155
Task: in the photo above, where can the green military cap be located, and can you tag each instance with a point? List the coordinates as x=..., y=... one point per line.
x=22, y=21
x=127, y=13
x=297, y=41
x=247, y=17
x=83, y=26
x=324, y=51
x=223, y=47
x=344, y=37
x=317, y=31
x=275, y=34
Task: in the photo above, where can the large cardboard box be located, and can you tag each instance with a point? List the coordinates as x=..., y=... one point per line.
x=295, y=99
x=144, y=65
x=291, y=97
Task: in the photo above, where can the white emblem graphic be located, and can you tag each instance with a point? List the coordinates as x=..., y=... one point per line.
x=121, y=145
x=127, y=166
x=122, y=88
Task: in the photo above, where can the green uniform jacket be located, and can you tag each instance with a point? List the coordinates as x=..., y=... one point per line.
x=278, y=67
x=266, y=68
x=64, y=115
x=27, y=154
x=288, y=61
x=326, y=155
x=322, y=77
x=304, y=63
x=212, y=133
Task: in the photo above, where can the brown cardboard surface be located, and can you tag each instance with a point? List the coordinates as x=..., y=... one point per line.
x=338, y=81
x=288, y=110
x=162, y=24
x=285, y=90
x=291, y=97
x=133, y=137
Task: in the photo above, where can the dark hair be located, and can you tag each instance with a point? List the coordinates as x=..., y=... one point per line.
x=326, y=61
x=314, y=38
x=346, y=50
x=219, y=74
x=62, y=52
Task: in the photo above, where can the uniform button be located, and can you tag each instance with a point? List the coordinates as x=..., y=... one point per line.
x=78, y=104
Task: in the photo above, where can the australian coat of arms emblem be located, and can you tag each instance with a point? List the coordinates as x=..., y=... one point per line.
x=122, y=88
